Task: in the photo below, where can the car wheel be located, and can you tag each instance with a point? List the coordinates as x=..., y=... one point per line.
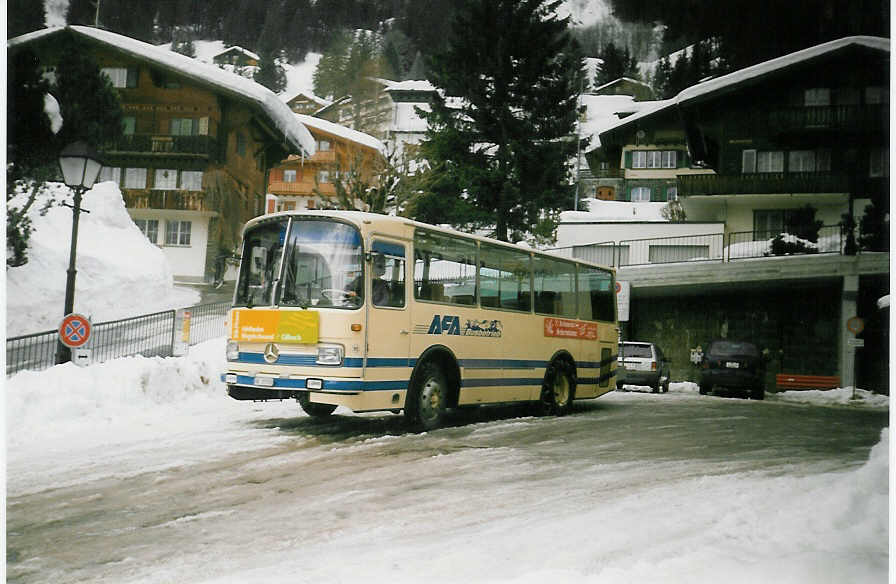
x=666, y=386
x=704, y=389
x=558, y=389
x=425, y=404
x=312, y=409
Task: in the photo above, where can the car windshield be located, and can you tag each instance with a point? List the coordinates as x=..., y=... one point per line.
x=730, y=348
x=637, y=350
x=322, y=265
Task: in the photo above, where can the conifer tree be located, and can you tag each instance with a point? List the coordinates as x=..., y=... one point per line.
x=500, y=157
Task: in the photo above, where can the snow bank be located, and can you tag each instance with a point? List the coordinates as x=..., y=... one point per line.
x=599, y=210
x=119, y=272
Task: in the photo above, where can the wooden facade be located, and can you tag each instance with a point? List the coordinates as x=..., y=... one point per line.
x=309, y=183
x=196, y=147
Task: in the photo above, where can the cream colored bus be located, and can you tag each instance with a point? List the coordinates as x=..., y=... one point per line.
x=379, y=313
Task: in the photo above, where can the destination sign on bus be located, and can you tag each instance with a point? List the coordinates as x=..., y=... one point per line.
x=570, y=329
x=275, y=326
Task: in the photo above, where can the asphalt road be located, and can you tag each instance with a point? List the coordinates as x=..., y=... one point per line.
x=325, y=485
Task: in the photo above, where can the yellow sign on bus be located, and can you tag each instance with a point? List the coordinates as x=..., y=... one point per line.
x=275, y=326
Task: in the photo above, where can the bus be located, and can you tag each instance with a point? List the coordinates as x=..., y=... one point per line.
x=382, y=313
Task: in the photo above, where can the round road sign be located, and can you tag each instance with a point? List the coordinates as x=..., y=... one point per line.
x=855, y=325
x=74, y=330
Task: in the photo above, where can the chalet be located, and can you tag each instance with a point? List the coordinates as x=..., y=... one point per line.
x=198, y=143
x=389, y=114
x=306, y=103
x=308, y=182
x=236, y=56
x=626, y=86
x=752, y=147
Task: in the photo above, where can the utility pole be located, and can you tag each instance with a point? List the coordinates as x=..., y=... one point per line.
x=96, y=19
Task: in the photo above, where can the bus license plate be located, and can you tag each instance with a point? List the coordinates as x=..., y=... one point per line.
x=732, y=365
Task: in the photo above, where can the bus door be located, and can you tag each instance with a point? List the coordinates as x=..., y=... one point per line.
x=389, y=322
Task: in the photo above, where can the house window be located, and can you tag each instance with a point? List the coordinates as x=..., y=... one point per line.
x=877, y=95
x=310, y=204
x=184, y=127
x=323, y=176
x=149, y=228
x=770, y=161
x=640, y=194
x=879, y=163
x=289, y=176
x=809, y=160
x=135, y=178
x=654, y=159
x=767, y=223
x=121, y=76
x=817, y=96
x=110, y=173
x=191, y=180
x=672, y=194
x=177, y=232
x=323, y=145
x=128, y=125
x=165, y=179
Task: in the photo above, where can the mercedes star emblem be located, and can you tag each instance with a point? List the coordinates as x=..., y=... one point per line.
x=271, y=353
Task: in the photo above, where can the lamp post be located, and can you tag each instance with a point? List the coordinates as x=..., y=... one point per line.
x=80, y=166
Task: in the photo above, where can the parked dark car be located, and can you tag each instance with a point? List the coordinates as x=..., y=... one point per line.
x=642, y=364
x=733, y=365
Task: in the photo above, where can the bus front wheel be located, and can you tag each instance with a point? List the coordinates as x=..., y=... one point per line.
x=425, y=403
x=313, y=409
x=558, y=389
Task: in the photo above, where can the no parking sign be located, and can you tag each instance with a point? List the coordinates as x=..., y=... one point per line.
x=74, y=331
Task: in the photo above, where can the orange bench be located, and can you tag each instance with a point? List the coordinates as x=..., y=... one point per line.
x=797, y=381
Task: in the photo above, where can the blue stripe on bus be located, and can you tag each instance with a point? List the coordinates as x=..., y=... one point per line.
x=311, y=361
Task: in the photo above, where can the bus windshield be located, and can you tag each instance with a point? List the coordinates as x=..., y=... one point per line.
x=321, y=265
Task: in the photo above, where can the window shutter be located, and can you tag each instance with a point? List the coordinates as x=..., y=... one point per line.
x=628, y=159
x=683, y=159
x=748, y=161
x=203, y=126
x=277, y=174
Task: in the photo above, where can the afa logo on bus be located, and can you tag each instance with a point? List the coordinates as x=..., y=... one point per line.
x=450, y=325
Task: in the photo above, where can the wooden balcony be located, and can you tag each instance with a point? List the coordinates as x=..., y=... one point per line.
x=839, y=119
x=162, y=145
x=290, y=188
x=762, y=183
x=170, y=200
x=324, y=157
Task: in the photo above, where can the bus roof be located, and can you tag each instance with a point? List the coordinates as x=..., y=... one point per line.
x=360, y=218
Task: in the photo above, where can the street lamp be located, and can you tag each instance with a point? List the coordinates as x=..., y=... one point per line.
x=80, y=166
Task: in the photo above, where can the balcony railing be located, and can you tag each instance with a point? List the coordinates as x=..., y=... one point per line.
x=857, y=118
x=279, y=187
x=171, y=200
x=762, y=183
x=713, y=247
x=200, y=146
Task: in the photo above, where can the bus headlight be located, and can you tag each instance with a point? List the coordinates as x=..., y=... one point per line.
x=233, y=351
x=330, y=354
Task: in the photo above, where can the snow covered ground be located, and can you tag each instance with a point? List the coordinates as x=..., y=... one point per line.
x=119, y=272
x=68, y=427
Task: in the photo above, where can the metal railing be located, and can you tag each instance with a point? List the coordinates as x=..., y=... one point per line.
x=150, y=335
x=713, y=247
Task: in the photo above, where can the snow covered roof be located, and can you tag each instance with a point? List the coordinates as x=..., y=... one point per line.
x=620, y=80
x=760, y=69
x=410, y=85
x=323, y=102
x=296, y=136
x=743, y=76
x=238, y=49
x=342, y=132
x=606, y=111
x=600, y=211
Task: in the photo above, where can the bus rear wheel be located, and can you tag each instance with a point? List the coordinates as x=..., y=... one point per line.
x=558, y=389
x=425, y=403
x=313, y=409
